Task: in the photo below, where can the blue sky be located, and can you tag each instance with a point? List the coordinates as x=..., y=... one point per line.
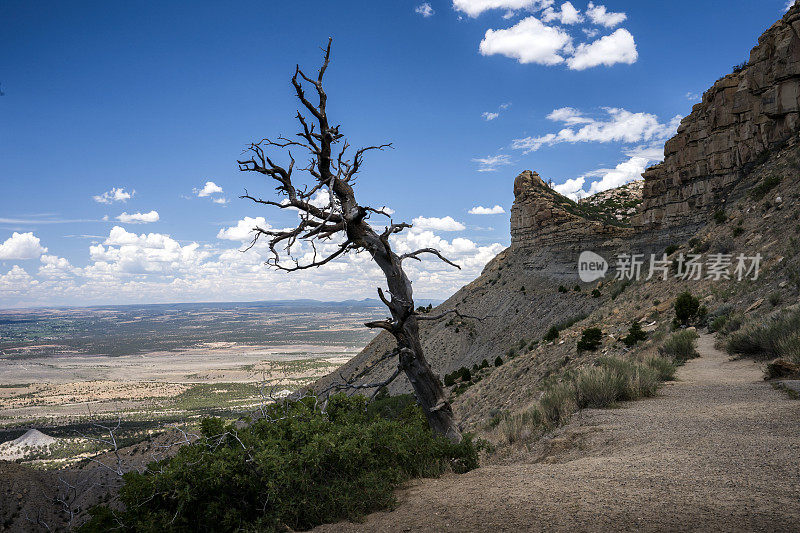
x=153, y=100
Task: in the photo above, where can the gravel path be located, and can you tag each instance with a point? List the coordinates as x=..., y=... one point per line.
x=717, y=450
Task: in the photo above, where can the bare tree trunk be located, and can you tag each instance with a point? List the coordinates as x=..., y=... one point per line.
x=344, y=215
x=405, y=328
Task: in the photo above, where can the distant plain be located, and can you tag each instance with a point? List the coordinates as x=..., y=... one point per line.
x=151, y=364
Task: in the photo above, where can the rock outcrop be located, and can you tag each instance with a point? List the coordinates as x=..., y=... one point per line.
x=742, y=117
x=549, y=231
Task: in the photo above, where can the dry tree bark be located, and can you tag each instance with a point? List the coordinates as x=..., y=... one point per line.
x=344, y=219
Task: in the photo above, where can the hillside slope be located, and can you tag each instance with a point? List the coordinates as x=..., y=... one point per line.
x=728, y=184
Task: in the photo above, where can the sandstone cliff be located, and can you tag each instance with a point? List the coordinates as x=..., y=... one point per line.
x=743, y=117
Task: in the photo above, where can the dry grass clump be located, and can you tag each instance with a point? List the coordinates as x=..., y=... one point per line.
x=680, y=346
x=611, y=381
x=778, y=336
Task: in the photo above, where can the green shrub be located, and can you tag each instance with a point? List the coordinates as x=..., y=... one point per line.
x=498, y=361
x=557, y=404
x=717, y=324
x=521, y=426
x=613, y=381
x=642, y=383
x=619, y=288
x=562, y=288
x=664, y=367
x=775, y=298
x=577, y=288
x=734, y=323
x=635, y=334
x=552, y=334
x=390, y=407
x=598, y=387
x=767, y=184
x=484, y=364
x=300, y=468
x=591, y=339
x=671, y=249
x=686, y=308
x=466, y=375
x=778, y=336
x=596, y=293
x=720, y=217
x=680, y=346
x=737, y=231
x=449, y=380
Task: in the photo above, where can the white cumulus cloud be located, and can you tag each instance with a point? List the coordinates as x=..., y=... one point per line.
x=21, y=246
x=620, y=126
x=425, y=10
x=638, y=160
x=480, y=210
x=568, y=115
x=116, y=194
x=208, y=189
x=528, y=41
x=600, y=16
x=447, y=223
x=619, y=47
x=243, y=230
x=566, y=15
x=489, y=115
x=473, y=8
x=138, y=218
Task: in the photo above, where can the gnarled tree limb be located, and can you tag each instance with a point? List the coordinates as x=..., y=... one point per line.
x=340, y=215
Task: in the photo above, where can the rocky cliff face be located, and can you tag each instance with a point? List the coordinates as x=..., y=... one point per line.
x=742, y=117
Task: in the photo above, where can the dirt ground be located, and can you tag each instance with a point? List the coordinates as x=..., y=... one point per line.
x=716, y=450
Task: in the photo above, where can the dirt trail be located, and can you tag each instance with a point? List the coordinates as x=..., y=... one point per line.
x=717, y=450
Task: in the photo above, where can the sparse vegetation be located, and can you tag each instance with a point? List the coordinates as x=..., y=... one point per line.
x=720, y=217
x=635, y=334
x=552, y=334
x=596, y=293
x=298, y=468
x=686, y=308
x=613, y=380
x=619, y=288
x=663, y=366
x=767, y=184
x=777, y=336
x=680, y=346
x=774, y=298
x=590, y=340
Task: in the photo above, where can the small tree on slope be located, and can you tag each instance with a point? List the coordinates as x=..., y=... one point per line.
x=342, y=227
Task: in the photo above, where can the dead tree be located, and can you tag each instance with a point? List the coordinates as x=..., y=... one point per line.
x=340, y=225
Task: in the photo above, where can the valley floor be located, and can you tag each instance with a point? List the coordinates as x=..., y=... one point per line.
x=716, y=450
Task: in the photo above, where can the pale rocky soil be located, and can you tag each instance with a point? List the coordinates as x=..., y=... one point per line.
x=716, y=450
x=64, y=387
